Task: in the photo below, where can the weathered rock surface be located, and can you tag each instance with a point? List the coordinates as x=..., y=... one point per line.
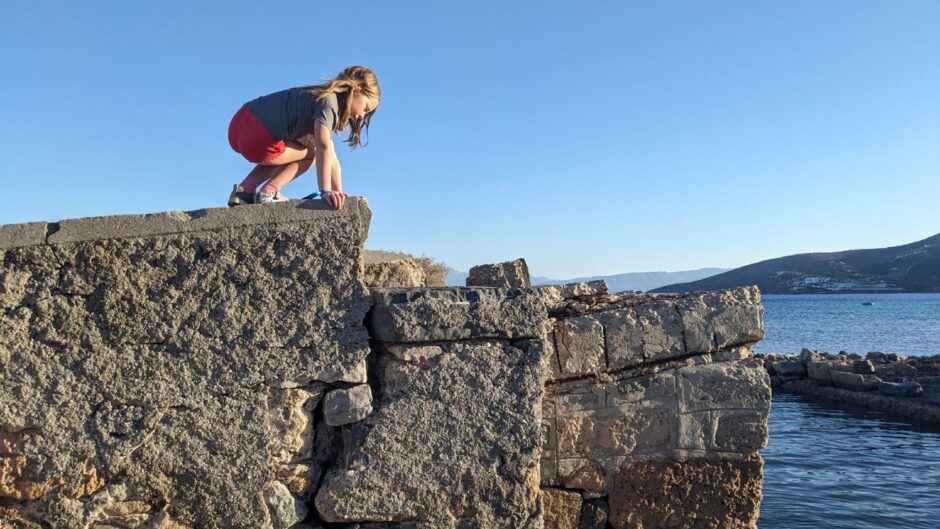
x=452, y=440
x=140, y=353
x=656, y=380
x=790, y=370
x=454, y=436
x=562, y=508
x=389, y=269
x=607, y=333
x=698, y=493
x=431, y=314
x=902, y=389
x=843, y=379
x=511, y=274
x=346, y=406
x=594, y=514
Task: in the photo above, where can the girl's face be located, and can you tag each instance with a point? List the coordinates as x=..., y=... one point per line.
x=361, y=105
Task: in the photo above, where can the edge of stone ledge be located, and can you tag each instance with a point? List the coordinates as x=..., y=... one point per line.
x=173, y=222
x=18, y=235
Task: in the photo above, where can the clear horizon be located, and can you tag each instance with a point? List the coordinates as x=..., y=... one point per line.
x=596, y=139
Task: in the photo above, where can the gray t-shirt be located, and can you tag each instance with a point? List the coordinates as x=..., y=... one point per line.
x=292, y=113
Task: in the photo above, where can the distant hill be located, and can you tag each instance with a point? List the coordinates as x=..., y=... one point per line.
x=913, y=267
x=637, y=280
x=616, y=283
x=455, y=278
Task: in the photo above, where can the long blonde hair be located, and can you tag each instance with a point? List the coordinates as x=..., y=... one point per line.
x=351, y=81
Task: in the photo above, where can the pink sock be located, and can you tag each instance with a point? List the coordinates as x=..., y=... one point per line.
x=270, y=188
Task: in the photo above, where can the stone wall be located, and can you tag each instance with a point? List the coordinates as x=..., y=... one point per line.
x=655, y=408
x=163, y=370
x=454, y=440
x=227, y=368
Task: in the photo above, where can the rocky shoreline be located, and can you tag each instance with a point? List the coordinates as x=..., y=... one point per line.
x=891, y=383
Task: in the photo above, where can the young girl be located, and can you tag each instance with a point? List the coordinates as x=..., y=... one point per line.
x=288, y=131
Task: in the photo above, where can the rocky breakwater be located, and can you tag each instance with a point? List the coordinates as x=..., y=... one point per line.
x=169, y=370
x=906, y=386
x=654, y=409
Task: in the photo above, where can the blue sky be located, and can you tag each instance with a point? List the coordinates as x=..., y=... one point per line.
x=590, y=138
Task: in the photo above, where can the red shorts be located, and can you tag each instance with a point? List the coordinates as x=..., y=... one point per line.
x=250, y=139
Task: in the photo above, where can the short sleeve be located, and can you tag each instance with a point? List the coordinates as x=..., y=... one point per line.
x=327, y=111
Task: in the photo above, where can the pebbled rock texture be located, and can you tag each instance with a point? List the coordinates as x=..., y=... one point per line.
x=453, y=440
x=165, y=368
x=390, y=269
x=697, y=493
x=432, y=314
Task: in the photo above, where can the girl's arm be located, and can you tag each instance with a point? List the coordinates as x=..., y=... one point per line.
x=336, y=178
x=337, y=181
x=326, y=163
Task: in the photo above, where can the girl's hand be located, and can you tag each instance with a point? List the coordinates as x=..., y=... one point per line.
x=336, y=199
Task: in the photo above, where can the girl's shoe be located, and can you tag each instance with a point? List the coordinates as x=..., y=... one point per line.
x=240, y=197
x=269, y=198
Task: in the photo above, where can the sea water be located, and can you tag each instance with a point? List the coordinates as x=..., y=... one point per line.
x=832, y=466
x=891, y=323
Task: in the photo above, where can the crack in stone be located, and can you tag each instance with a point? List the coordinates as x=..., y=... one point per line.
x=640, y=370
x=51, y=229
x=685, y=345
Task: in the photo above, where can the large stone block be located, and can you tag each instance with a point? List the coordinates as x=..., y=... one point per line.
x=726, y=385
x=740, y=430
x=420, y=315
x=743, y=431
x=557, y=296
x=818, y=370
x=511, y=274
x=646, y=332
x=659, y=387
x=452, y=440
x=846, y=380
x=588, y=475
x=579, y=344
x=562, y=508
x=790, y=370
x=613, y=432
x=693, y=494
x=29, y=234
x=713, y=321
x=161, y=359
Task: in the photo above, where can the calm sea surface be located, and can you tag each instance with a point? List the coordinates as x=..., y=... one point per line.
x=832, y=467
x=893, y=323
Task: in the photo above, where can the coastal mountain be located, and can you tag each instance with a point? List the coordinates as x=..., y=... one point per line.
x=913, y=267
x=616, y=282
x=638, y=280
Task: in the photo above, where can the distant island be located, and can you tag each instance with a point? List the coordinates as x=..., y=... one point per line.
x=616, y=282
x=914, y=267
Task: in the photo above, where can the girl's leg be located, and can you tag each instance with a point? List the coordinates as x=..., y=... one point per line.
x=294, y=161
x=257, y=176
x=283, y=174
x=293, y=152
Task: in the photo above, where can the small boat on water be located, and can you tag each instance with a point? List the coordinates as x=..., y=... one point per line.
x=867, y=303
